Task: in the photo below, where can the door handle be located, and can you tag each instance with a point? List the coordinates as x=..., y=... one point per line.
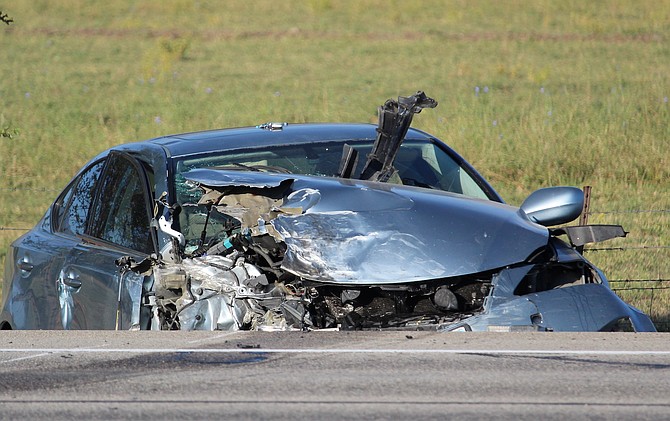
x=24, y=266
x=72, y=281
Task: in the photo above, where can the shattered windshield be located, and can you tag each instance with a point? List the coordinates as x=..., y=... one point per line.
x=418, y=163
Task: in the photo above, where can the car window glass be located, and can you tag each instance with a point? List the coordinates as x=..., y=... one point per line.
x=60, y=206
x=120, y=214
x=419, y=163
x=78, y=202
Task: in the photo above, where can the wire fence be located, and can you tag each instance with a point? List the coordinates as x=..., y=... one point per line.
x=29, y=189
x=650, y=294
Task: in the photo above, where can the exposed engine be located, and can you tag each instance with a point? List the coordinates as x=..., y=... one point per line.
x=243, y=288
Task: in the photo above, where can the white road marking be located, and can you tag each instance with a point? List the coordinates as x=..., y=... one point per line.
x=45, y=351
x=209, y=338
x=26, y=358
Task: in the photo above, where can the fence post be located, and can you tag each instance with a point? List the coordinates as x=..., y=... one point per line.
x=584, y=218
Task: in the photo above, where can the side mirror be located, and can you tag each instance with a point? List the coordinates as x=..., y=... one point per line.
x=554, y=205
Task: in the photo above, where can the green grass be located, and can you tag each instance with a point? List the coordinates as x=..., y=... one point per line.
x=570, y=92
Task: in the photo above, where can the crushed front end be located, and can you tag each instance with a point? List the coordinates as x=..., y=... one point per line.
x=311, y=253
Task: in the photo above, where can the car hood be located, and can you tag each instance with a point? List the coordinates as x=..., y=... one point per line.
x=368, y=233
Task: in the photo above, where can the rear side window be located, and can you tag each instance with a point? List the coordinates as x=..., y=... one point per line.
x=120, y=214
x=77, y=202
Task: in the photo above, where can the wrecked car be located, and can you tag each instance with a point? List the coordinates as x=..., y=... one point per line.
x=311, y=227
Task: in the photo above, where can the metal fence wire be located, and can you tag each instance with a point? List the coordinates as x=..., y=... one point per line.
x=647, y=293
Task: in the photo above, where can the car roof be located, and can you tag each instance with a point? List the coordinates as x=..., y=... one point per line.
x=271, y=134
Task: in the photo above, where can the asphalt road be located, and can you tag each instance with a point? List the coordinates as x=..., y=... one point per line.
x=333, y=375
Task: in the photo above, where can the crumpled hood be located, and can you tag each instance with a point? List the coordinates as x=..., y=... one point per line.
x=366, y=233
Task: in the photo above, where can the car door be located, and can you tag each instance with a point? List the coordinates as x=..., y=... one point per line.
x=94, y=292
x=35, y=261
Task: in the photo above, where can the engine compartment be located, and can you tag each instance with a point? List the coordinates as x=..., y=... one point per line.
x=243, y=288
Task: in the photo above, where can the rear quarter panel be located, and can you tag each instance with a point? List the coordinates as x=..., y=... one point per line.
x=30, y=297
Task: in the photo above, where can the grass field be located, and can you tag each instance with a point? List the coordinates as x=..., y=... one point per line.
x=532, y=93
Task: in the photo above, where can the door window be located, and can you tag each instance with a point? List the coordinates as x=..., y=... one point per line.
x=77, y=202
x=120, y=215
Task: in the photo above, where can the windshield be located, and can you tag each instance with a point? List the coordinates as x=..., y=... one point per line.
x=418, y=163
